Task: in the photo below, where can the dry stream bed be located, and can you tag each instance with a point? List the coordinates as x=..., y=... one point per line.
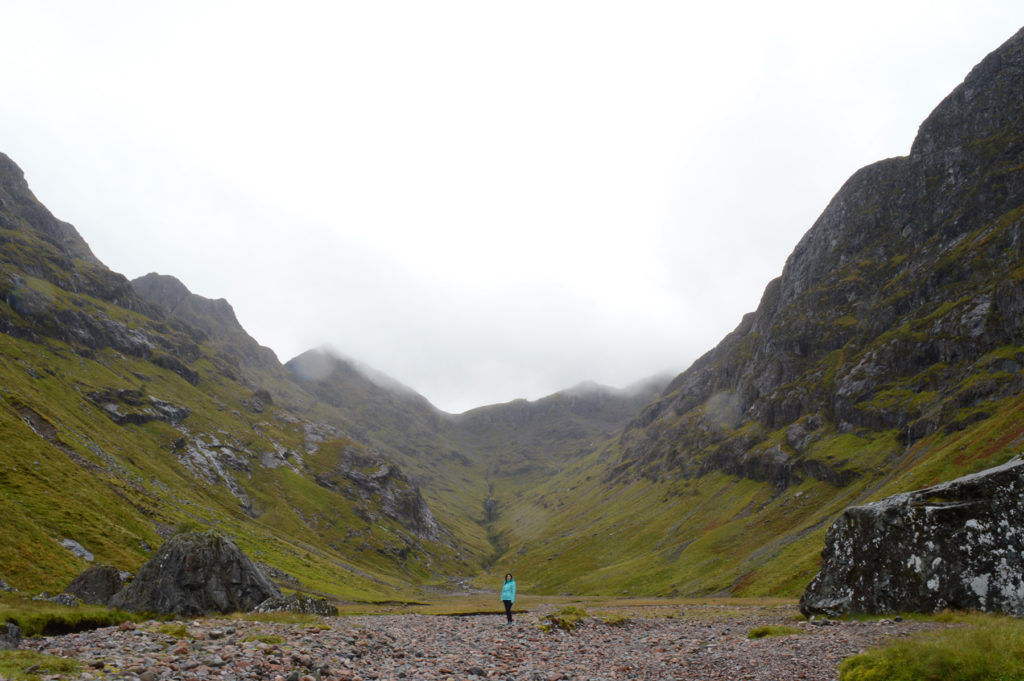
x=693, y=642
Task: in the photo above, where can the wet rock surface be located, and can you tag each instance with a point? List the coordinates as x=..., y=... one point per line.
x=956, y=545
x=704, y=646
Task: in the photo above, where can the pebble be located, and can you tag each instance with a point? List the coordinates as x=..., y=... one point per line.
x=690, y=646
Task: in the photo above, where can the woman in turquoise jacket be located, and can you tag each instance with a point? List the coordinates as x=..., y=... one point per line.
x=508, y=595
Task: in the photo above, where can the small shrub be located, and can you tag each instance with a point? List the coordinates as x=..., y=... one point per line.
x=769, y=630
x=993, y=650
x=29, y=665
x=615, y=620
x=175, y=629
x=565, y=619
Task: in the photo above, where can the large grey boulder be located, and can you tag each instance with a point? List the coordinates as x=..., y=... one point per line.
x=956, y=545
x=97, y=585
x=196, y=573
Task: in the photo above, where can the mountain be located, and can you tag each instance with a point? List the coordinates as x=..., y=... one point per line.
x=887, y=357
x=469, y=463
x=132, y=410
x=886, y=312
x=129, y=410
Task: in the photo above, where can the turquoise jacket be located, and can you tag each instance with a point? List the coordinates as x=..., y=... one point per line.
x=508, y=592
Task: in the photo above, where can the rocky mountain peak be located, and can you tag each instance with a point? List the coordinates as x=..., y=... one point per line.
x=19, y=209
x=161, y=289
x=215, y=317
x=909, y=276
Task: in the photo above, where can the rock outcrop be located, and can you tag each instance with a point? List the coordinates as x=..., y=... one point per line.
x=887, y=313
x=956, y=545
x=382, y=487
x=300, y=603
x=214, y=319
x=196, y=573
x=10, y=637
x=97, y=585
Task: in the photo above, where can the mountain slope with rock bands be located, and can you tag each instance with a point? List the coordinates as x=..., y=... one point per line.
x=887, y=357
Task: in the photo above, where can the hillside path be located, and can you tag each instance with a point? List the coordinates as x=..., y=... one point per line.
x=698, y=646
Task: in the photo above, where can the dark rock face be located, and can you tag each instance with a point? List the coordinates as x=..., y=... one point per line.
x=956, y=545
x=97, y=585
x=211, y=319
x=196, y=573
x=125, y=407
x=383, y=488
x=300, y=603
x=10, y=637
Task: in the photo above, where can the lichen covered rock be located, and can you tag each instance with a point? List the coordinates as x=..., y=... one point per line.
x=956, y=545
x=300, y=603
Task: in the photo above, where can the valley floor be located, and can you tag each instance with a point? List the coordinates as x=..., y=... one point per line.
x=695, y=643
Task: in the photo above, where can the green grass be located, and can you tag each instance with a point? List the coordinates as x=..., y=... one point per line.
x=615, y=620
x=673, y=526
x=29, y=665
x=566, y=618
x=43, y=618
x=991, y=651
x=175, y=629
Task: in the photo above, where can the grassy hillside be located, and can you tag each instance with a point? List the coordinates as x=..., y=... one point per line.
x=887, y=357
x=583, y=532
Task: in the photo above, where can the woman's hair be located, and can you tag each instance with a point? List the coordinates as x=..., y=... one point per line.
x=508, y=576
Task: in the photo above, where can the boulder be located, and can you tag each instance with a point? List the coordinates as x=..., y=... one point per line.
x=77, y=549
x=10, y=636
x=300, y=603
x=196, y=573
x=97, y=585
x=65, y=599
x=956, y=545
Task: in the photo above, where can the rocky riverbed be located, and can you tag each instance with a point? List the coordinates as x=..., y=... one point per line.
x=695, y=644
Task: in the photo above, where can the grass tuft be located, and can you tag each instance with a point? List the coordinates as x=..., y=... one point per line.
x=615, y=620
x=770, y=630
x=565, y=619
x=30, y=665
x=993, y=651
x=175, y=629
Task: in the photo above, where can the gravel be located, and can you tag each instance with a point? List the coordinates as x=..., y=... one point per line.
x=702, y=643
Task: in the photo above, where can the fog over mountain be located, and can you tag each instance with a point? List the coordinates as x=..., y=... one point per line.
x=486, y=203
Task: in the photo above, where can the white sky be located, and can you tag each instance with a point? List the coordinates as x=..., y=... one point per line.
x=485, y=200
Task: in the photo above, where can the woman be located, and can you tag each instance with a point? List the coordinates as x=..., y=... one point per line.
x=508, y=595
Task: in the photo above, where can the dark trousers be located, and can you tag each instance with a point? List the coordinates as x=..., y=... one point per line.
x=508, y=610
